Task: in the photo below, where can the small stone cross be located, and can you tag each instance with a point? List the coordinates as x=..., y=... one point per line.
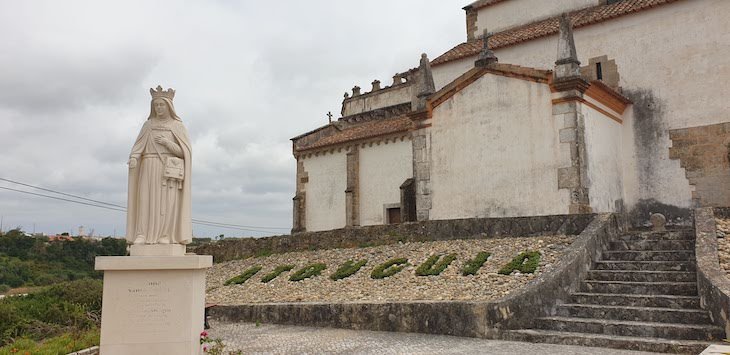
x=485, y=37
x=329, y=116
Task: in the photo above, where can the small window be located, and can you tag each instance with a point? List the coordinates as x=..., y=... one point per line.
x=393, y=215
x=599, y=71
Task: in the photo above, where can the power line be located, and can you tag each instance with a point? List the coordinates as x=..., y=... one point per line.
x=121, y=208
x=62, y=193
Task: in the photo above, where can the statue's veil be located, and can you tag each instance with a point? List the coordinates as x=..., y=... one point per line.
x=173, y=114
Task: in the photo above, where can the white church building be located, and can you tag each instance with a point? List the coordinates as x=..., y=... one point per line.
x=571, y=106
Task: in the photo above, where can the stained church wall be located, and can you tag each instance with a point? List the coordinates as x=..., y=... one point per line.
x=509, y=14
x=383, y=168
x=604, y=154
x=325, y=189
x=495, y=152
x=673, y=65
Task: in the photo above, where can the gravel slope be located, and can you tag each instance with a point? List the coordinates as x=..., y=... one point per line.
x=404, y=286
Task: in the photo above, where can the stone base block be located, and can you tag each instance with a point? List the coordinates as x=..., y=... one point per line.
x=153, y=304
x=157, y=250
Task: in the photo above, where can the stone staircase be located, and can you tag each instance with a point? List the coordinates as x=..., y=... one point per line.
x=642, y=295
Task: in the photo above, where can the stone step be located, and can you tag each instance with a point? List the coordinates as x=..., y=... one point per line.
x=608, y=341
x=645, y=265
x=663, y=255
x=652, y=244
x=644, y=288
x=631, y=328
x=670, y=235
x=619, y=299
x=642, y=276
x=642, y=314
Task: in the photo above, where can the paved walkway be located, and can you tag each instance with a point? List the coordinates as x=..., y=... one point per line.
x=282, y=339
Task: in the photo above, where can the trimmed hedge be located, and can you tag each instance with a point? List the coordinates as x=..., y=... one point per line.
x=277, y=271
x=308, y=271
x=433, y=267
x=389, y=268
x=472, y=266
x=347, y=269
x=243, y=277
x=525, y=263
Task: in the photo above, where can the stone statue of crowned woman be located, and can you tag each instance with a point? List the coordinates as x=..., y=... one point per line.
x=158, y=200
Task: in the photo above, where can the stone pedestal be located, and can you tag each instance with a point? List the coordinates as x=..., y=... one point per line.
x=153, y=304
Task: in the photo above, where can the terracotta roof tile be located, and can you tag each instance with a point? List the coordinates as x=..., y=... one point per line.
x=549, y=26
x=363, y=131
x=482, y=3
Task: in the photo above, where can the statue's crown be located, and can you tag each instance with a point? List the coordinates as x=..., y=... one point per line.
x=157, y=93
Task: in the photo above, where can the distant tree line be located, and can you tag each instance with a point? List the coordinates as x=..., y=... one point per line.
x=36, y=261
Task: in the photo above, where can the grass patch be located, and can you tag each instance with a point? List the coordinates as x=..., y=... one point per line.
x=308, y=271
x=525, y=263
x=347, y=269
x=243, y=277
x=472, y=266
x=278, y=271
x=263, y=253
x=62, y=344
x=389, y=268
x=433, y=267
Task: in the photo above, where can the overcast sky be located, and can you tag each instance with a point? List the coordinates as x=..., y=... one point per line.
x=249, y=75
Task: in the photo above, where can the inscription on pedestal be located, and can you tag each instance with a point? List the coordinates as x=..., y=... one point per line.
x=149, y=307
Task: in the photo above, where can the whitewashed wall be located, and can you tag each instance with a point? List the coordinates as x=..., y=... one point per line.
x=603, y=149
x=445, y=73
x=383, y=168
x=673, y=61
x=325, y=199
x=379, y=99
x=512, y=13
x=495, y=152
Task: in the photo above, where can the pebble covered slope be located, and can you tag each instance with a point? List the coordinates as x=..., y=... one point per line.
x=486, y=285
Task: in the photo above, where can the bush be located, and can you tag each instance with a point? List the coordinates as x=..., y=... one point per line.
x=347, y=269
x=278, y=271
x=4, y=288
x=430, y=267
x=308, y=271
x=389, y=268
x=63, y=344
x=525, y=263
x=243, y=277
x=472, y=266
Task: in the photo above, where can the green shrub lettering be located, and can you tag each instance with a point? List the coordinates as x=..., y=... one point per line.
x=525, y=263
x=472, y=266
x=347, y=269
x=433, y=267
x=389, y=268
x=308, y=271
x=278, y=271
x=243, y=277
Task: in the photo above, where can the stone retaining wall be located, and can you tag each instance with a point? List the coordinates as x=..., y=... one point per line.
x=472, y=228
x=712, y=282
x=473, y=319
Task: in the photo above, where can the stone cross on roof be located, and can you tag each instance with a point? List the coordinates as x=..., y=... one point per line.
x=329, y=116
x=487, y=56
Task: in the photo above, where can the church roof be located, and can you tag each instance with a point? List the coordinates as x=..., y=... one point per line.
x=547, y=27
x=481, y=3
x=362, y=131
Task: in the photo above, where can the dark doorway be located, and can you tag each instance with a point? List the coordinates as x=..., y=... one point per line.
x=394, y=215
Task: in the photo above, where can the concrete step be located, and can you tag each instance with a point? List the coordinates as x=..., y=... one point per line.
x=670, y=235
x=644, y=288
x=608, y=341
x=642, y=276
x=631, y=328
x=619, y=299
x=645, y=265
x=642, y=314
x=652, y=244
x=646, y=255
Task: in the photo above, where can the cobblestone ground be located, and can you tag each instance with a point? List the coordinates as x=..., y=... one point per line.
x=282, y=339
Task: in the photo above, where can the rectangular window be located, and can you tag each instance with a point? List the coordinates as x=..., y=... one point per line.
x=599, y=71
x=393, y=215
